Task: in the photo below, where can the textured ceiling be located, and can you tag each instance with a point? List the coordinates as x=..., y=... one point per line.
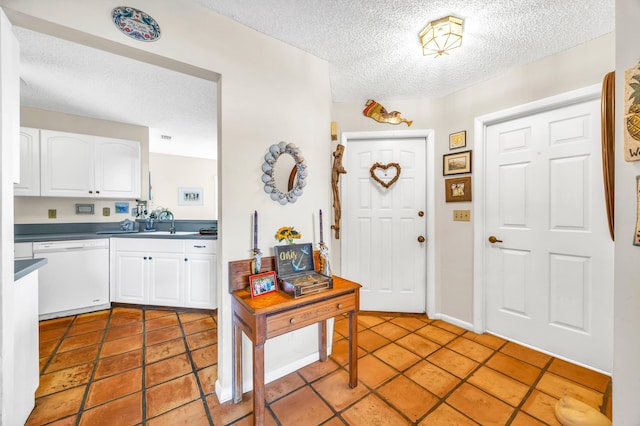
x=374, y=51
x=372, y=48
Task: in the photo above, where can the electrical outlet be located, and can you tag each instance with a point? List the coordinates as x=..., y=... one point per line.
x=106, y=211
x=53, y=213
x=462, y=215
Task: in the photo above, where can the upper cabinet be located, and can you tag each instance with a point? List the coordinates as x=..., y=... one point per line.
x=29, y=183
x=75, y=165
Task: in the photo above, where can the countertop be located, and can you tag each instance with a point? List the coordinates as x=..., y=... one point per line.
x=185, y=229
x=26, y=238
x=24, y=267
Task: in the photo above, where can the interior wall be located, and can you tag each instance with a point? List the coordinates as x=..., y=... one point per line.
x=268, y=92
x=169, y=173
x=626, y=339
x=35, y=209
x=575, y=68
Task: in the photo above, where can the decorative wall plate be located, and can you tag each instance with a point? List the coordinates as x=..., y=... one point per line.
x=384, y=168
x=135, y=23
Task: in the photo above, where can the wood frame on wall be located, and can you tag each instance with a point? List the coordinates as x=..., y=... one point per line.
x=456, y=163
x=457, y=189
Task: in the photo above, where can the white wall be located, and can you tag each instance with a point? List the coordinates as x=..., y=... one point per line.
x=268, y=92
x=169, y=173
x=626, y=339
x=581, y=66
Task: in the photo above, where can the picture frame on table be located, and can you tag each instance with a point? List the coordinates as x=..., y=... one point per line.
x=457, y=163
x=263, y=283
x=458, y=140
x=457, y=189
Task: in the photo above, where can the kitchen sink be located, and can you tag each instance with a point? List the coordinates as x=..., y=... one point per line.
x=167, y=233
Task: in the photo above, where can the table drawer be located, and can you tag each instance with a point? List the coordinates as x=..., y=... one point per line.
x=294, y=319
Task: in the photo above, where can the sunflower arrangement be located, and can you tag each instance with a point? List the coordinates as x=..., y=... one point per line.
x=287, y=233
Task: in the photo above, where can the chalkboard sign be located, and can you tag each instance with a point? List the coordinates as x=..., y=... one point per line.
x=294, y=259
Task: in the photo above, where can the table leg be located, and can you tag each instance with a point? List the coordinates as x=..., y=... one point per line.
x=236, y=343
x=322, y=339
x=258, y=384
x=353, y=349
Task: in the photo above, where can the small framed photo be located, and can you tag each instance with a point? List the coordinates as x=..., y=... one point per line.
x=122, y=207
x=457, y=189
x=455, y=164
x=190, y=197
x=458, y=140
x=263, y=283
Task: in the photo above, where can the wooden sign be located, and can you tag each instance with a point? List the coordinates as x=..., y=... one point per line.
x=632, y=114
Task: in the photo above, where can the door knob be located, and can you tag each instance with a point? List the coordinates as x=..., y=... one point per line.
x=493, y=240
x=420, y=213
x=421, y=239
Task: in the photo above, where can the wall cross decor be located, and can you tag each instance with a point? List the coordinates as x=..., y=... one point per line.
x=385, y=168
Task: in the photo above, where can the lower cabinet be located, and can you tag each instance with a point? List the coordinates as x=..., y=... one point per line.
x=164, y=272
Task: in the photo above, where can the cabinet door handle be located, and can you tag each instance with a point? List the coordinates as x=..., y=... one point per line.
x=90, y=192
x=145, y=258
x=150, y=257
x=199, y=246
x=185, y=259
x=292, y=321
x=339, y=305
x=97, y=192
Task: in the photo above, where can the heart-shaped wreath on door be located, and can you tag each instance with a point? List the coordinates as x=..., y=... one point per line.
x=384, y=168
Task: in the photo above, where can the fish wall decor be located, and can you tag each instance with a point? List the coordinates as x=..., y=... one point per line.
x=379, y=113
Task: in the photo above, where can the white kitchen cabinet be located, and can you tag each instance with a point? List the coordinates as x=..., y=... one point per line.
x=166, y=284
x=29, y=183
x=129, y=282
x=117, y=168
x=164, y=272
x=74, y=165
x=200, y=274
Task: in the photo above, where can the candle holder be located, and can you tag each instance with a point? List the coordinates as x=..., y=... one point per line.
x=256, y=261
x=325, y=266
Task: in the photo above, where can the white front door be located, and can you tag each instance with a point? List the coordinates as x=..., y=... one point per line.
x=549, y=281
x=381, y=226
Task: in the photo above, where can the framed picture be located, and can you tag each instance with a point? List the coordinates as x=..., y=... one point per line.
x=458, y=140
x=263, y=283
x=458, y=163
x=122, y=208
x=458, y=189
x=190, y=197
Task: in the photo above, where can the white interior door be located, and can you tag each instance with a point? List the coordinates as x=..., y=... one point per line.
x=549, y=281
x=381, y=226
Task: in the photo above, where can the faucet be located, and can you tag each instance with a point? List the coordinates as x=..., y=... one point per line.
x=172, y=227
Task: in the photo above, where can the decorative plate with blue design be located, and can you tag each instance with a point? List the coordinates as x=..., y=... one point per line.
x=135, y=23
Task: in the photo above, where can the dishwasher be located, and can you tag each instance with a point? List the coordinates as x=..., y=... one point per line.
x=75, y=278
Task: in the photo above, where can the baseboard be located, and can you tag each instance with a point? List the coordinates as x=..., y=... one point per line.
x=226, y=393
x=451, y=320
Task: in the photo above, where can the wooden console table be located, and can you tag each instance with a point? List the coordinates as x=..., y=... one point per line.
x=277, y=313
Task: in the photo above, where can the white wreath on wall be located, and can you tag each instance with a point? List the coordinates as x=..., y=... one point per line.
x=268, y=170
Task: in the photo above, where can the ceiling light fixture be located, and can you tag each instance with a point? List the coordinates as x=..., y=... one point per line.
x=441, y=36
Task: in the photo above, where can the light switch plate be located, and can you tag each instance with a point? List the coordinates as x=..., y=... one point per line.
x=462, y=215
x=106, y=211
x=53, y=213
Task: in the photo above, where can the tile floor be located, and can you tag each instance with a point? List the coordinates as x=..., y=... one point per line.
x=137, y=366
